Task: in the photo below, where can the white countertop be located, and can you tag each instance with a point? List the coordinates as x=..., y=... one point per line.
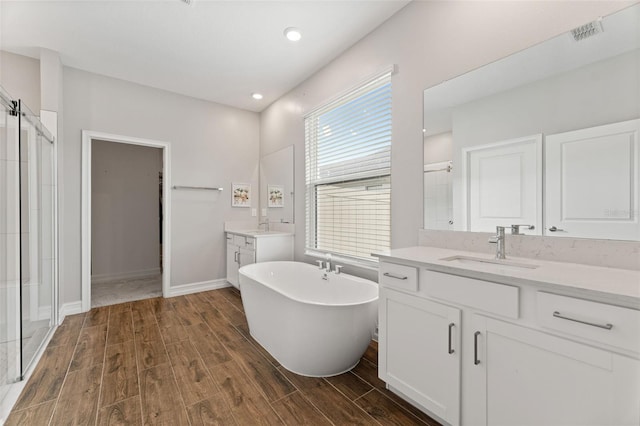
x=258, y=233
x=617, y=286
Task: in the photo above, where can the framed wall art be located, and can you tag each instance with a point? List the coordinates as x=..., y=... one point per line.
x=240, y=195
x=276, y=196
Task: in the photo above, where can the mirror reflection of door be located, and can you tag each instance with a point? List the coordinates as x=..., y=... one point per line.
x=560, y=88
x=503, y=184
x=592, y=182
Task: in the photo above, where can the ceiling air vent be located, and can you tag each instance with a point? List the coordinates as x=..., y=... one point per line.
x=586, y=30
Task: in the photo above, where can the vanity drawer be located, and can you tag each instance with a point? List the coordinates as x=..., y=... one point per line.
x=499, y=299
x=399, y=276
x=237, y=239
x=250, y=243
x=599, y=322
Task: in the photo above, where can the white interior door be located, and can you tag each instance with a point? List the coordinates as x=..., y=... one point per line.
x=503, y=184
x=591, y=182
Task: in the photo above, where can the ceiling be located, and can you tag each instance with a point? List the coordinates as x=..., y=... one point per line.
x=220, y=51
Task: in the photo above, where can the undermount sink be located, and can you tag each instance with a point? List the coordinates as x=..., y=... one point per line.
x=470, y=260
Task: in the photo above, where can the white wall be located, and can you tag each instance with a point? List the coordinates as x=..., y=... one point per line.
x=600, y=93
x=20, y=77
x=211, y=145
x=125, y=213
x=429, y=42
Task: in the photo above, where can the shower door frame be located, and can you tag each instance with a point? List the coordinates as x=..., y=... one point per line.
x=46, y=126
x=87, y=137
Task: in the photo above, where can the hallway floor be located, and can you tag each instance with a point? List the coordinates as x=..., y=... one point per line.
x=190, y=360
x=121, y=291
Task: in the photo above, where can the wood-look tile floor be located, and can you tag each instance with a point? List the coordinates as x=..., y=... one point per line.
x=189, y=360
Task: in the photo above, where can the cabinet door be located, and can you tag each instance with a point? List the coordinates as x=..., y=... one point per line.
x=592, y=185
x=522, y=376
x=232, y=263
x=246, y=257
x=420, y=351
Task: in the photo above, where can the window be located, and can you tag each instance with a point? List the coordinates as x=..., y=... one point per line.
x=348, y=164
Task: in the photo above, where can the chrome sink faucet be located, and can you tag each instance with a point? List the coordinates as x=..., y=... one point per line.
x=266, y=225
x=498, y=240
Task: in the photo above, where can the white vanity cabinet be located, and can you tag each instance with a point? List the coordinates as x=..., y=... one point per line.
x=527, y=377
x=521, y=354
x=240, y=252
x=244, y=248
x=422, y=351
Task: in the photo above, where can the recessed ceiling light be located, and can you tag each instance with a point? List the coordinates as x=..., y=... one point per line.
x=256, y=96
x=293, y=34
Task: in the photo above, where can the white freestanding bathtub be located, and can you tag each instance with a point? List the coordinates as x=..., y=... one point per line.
x=312, y=326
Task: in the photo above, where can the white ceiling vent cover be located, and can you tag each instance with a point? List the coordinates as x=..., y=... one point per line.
x=586, y=30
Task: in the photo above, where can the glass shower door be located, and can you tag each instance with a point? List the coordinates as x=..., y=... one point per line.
x=10, y=358
x=27, y=240
x=36, y=238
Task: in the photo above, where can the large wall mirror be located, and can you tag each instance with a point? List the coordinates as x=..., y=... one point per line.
x=276, y=186
x=547, y=137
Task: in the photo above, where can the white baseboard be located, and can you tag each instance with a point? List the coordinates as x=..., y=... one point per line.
x=101, y=278
x=70, y=308
x=183, y=289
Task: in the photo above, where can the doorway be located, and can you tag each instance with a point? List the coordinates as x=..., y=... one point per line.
x=125, y=219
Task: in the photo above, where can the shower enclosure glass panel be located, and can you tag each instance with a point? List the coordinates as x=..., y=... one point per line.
x=10, y=368
x=27, y=241
x=36, y=238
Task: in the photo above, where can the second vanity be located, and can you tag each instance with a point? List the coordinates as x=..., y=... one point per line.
x=250, y=246
x=473, y=341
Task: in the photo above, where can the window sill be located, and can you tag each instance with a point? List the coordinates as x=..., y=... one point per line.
x=336, y=258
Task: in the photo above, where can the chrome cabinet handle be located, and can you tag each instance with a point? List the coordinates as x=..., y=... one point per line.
x=554, y=229
x=605, y=326
x=397, y=277
x=515, y=229
x=451, y=325
x=235, y=257
x=476, y=361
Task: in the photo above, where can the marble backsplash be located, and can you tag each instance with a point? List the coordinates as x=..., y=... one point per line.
x=607, y=253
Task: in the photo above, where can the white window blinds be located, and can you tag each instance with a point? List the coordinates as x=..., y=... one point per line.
x=348, y=162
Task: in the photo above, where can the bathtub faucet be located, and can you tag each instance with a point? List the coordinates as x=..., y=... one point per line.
x=328, y=263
